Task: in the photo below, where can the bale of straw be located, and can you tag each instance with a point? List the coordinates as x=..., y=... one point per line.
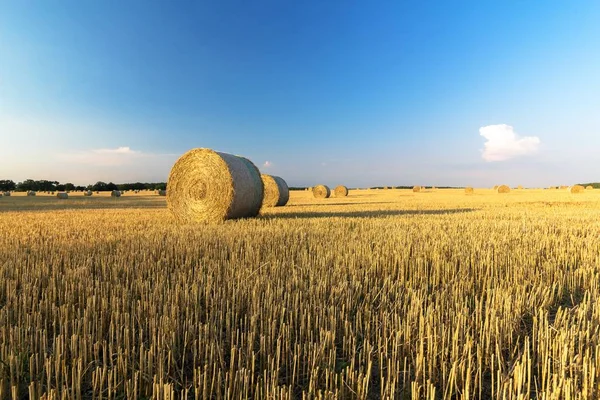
x=6, y=194
x=31, y=193
x=62, y=195
x=575, y=189
x=469, y=190
x=161, y=192
x=115, y=193
x=206, y=185
x=87, y=193
x=416, y=189
x=341, y=191
x=503, y=189
x=520, y=187
x=321, y=191
x=563, y=187
x=276, y=191
x=495, y=187
x=589, y=187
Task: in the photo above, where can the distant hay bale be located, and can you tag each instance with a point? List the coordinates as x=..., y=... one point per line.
x=6, y=194
x=469, y=190
x=321, y=192
x=589, y=187
x=520, y=187
x=115, y=193
x=62, y=195
x=503, y=189
x=31, y=193
x=575, y=189
x=276, y=191
x=87, y=193
x=161, y=192
x=416, y=189
x=206, y=185
x=340, y=191
x=562, y=187
x=495, y=187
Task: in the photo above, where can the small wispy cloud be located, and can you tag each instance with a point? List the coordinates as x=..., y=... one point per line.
x=503, y=143
x=267, y=164
x=118, y=150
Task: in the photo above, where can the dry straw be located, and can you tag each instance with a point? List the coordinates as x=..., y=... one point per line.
x=205, y=185
x=161, y=192
x=341, y=191
x=575, y=189
x=31, y=193
x=276, y=191
x=321, y=192
x=469, y=190
x=416, y=189
x=503, y=189
x=62, y=195
x=115, y=193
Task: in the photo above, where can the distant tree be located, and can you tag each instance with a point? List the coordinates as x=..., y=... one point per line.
x=111, y=186
x=7, y=185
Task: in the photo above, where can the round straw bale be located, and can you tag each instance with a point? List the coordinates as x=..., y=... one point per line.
x=87, y=193
x=115, y=193
x=416, y=189
x=31, y=193
x=321, y=191
x=161, y=192
x=276, y=191
x=469, y=190
x=575, y=189
x=503, y=189
x=589, y=187
x=341, y=191
x=520, y=187
x=205, y=185
x=62, y=195
x=6, y=194
x=495, y=187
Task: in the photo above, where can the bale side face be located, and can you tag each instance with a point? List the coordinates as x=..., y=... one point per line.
x=6, y=194
x=62, y=195
x=321, y=191
x=576, y=189
x=341, y=191
x=88, y=193
x=205, y=185
x=589, y=187
x=115, y=193
x=416, y=189
x=276, y=191
x=503, y=189
x=469, y=190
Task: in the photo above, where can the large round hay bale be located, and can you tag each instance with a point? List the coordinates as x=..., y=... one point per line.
x=589, y=187
x=6, y=194
x=205, y=185
x=416, y=189
x=575, y=189
x=321, y=191
x=161, y=192
x=276, y=191
x=62, y=195
x=115, y=193
x=31, y=193
x=469, y=190
x=87, y=193
x=340, y=191
x=503, y=189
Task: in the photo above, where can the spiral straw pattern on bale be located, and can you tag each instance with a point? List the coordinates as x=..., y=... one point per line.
x=503, y=189
x=575, y=189
x=469, y=190
x=321, y=191
x=341, y=191
x=276, y=191
x=206, y=185
x=62, y=195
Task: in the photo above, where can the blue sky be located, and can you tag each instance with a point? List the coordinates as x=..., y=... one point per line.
x=362, y=93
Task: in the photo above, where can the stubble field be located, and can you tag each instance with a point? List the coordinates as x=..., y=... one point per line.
x=383, y=294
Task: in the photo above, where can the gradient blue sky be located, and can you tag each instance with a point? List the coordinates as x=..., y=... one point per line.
x=355, y=93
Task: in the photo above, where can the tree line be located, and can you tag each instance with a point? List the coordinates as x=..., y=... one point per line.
x=8, y=185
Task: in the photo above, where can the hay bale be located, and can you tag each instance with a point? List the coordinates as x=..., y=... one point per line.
x=161, y=192
x=562, y=187
x=589, y=187
x=115, y=193
x=469, y=190
x=503, y=189
x=31, y=193
x=575, y=189
x=321, y=191
x=206, y=185
x=520, y=187
x=416, y=189
x=6, y=194
x=495, y=188
x=87, y=193
x=341, y=191
x=62, y=195
x=276, y=191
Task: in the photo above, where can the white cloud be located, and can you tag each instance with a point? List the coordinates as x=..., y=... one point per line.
x=267, y=164
x=118, y=150
x=503, y=143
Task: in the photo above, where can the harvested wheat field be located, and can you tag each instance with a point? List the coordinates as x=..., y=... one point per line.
x=383, y=294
